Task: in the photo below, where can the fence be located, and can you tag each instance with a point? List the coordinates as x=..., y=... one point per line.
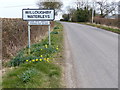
x=108, y=22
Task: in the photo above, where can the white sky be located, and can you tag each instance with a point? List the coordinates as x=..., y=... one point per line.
x=13, y=8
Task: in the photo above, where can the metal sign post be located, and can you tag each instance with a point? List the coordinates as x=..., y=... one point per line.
x=28, y=36
x=49, y=35
x=41, y=23
x=93, y=12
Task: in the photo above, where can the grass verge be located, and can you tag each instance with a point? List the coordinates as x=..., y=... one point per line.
x=104, y=27
x=100, y=26
x=37, y=68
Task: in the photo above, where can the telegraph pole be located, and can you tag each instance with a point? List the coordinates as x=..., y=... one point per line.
x=119, y=14
x=93, y=12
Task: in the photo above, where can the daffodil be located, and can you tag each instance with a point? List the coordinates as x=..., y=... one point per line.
x=33, y=60
x=26, y=60
x=36, y=59
x=44, y=58
x=46, y=46
x=48, y=61
x=40, y=59
x=41, y=55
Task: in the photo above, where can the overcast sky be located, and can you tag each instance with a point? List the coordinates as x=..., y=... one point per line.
x=13, y=8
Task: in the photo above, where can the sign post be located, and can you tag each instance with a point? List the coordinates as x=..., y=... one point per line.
x=38, y=17
x=49, y=35
x=119, y=14
x=28, y=36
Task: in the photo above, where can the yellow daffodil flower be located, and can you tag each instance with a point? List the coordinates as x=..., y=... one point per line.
x=46, y=46
x=44, y=58
x=40, y=59
x=41, y=55
x=26, y=60
x=36, y=59
x=47, y=60
x=33, y=60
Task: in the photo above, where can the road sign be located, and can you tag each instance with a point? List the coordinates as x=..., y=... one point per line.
x=38, y=14
x=39, y=22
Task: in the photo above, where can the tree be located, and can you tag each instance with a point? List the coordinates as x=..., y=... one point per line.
x=50, y=5
x=106, y=8
x=71, y=12
x=66, y=17
x=82, y=15
x=81, y=4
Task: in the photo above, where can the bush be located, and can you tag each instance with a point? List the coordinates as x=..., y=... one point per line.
x=61, y=19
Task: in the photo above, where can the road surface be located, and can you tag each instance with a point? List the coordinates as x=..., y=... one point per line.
x=91, y=57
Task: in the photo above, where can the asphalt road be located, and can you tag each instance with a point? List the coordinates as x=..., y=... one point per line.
x=92, y=57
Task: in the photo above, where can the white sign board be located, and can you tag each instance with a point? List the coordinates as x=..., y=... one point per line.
x=39, y=22
x=38, y=14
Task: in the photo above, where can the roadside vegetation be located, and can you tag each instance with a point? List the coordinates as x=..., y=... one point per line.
x=108, y=28
x=103, y=16
x=38, y=67
x=15, y=36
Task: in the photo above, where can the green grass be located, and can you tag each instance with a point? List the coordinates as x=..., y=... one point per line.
x=31, y=70
x=44, y=75
x=100, y=26
x=104, y=27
